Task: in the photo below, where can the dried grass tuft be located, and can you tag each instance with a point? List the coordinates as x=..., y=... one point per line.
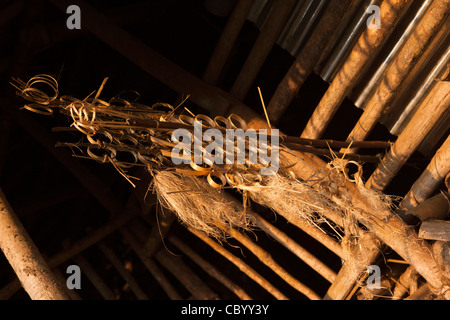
x=197, y=204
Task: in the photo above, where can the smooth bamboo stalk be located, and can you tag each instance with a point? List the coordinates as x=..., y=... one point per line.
x=126, y=275
x=306, y=60
x=209, y=268
x=349, y=73
x=295, y=248
x=400, y=67
x=430, y=111
x=272, y=28
x=227, y=40
x=267, y=259
x=24, y=257
x=246, y=269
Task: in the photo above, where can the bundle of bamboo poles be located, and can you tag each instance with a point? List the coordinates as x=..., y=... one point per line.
x=326, y=195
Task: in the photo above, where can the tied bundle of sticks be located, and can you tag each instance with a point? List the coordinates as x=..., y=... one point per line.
x=197, y=193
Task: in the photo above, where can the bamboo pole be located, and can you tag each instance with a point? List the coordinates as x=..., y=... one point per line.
x=315, y=233
x=267, y=259
x=295, y=248
x=126, y=275
x=306, y=60
x=430, y=179
x=349, y=73
x=271, y=29
x=227, y=40
x=246, y=269
x=24, y=257
x=350, y=272
x=151, y=266
x=430, y=111
x=400, y=67
x=209, y=268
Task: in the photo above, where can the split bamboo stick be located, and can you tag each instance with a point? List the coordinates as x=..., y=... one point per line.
x=400, y=67
x=151, y=266
x=295, y=248
x=126, y=275
x=24, y=257
x=306, y=60
x=349, y=73
x=209, y=268
x=94, y=278
x=267, y=259
x=430, y=111
x=196, y=286
x=271, y=29
x=246, y=269
x=227, y=40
